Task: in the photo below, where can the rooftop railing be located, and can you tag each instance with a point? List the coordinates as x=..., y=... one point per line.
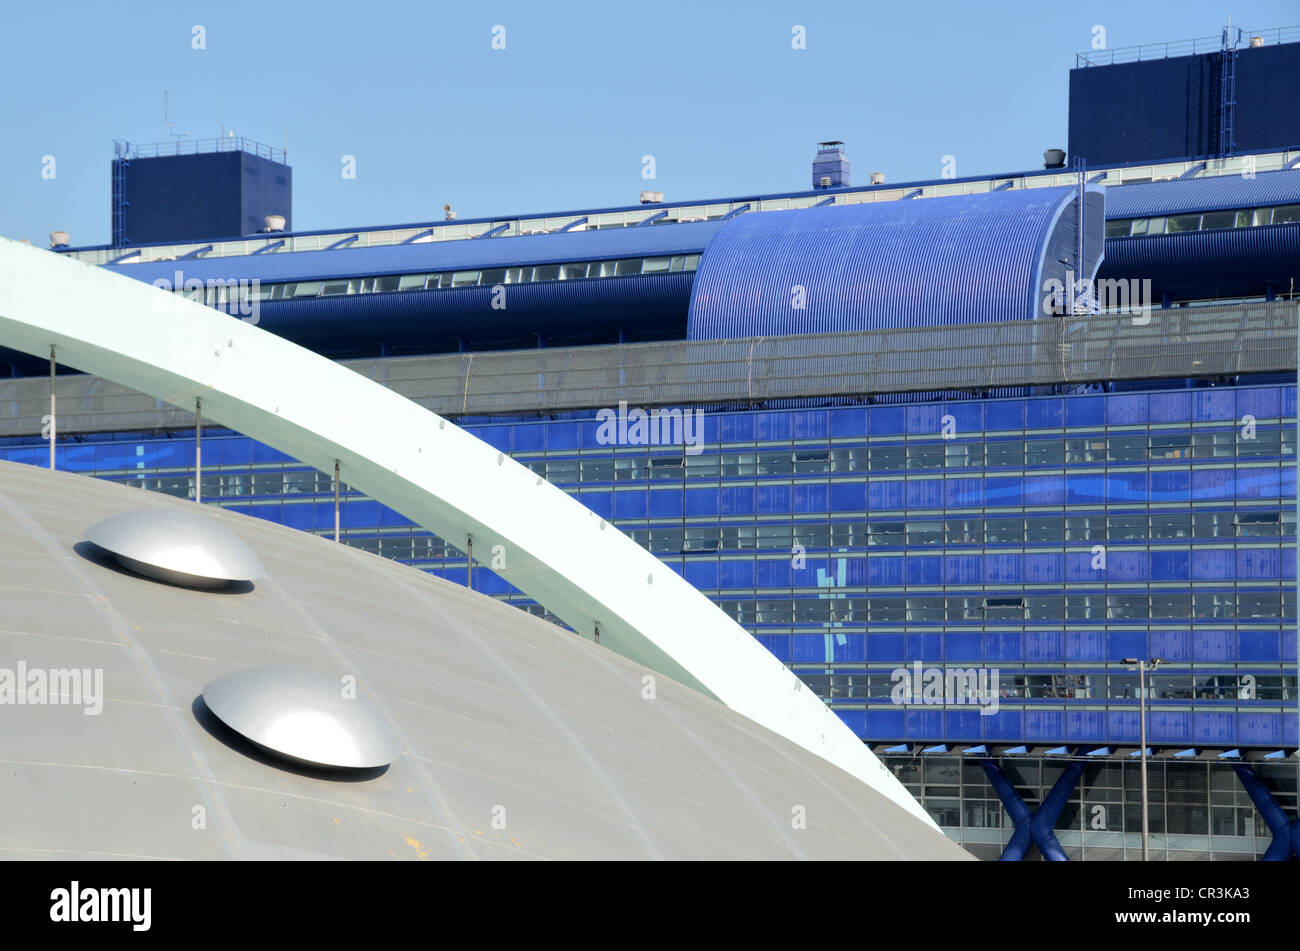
x=433, y=231
x=188, y=146
x=1210, y=341
x=1192, y=47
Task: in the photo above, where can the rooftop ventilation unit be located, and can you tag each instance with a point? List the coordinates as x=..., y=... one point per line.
x=1054, y=158
x=831, y=166
x=58, y=239
x=877, y=178
x=1256, y=42
x=273, y=223
x=651, y=198
x=304, y=715
x=182, y=548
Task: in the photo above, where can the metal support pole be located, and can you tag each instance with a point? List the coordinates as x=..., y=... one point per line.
x=336, y=500
x=52, y=424
x=1142, y=708
x=469, y=562
x=1142, y=669
x=198, y=451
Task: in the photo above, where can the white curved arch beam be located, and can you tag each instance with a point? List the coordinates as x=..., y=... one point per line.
x=555, y=549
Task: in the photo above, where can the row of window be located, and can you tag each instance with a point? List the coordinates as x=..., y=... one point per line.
x=1244, y=603
x=897, y=457
x=489, y=277
x=1203, y=221
x=1035, y=530
x=1019, y=685
x=949, y=532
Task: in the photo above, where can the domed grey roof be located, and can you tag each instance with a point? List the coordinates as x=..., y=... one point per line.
x=180, y=545
x=303, y=714
x=517, y=739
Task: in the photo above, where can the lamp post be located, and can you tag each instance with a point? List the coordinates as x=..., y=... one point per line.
x=1142, y=669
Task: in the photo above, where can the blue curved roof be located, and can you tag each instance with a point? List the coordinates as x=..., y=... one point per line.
x=651, y=240
x=562, y=312
x=1199, y=264
x=954, y=260
x=1203, y=194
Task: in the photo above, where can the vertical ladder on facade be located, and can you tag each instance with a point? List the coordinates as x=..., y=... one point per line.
x=121, y=159
x=1228, y=91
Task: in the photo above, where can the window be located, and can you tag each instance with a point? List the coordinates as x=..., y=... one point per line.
x=627, y=266
x=1213, y=525
x=1127, y=528
x=1218, y=219
x=1045, y=452
x=493, y=276
x=384, y=284
x=1118, y=229
x=1004, y=531
x=412, y=282
x=1178, y=223
x=1004, y=453
x=964, y=531
x=885, y=533
x=655, y=265
x=925, y=533
x=571, y=272
x=334, y=288
x=1004, y=608
x=888, y=457
x=1171, y=525
x=546, y=272
x=1045, y=530
x=1176, y=446
x=1089, y=449
x=925, y=457
x=1286, y=214
x=464, y=278
x=307, y=289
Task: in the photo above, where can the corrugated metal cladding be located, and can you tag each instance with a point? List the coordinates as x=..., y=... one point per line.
x=688, y=238
x=1200, y=264
x=652, y=305
x=1203, y=194
x=927, y=262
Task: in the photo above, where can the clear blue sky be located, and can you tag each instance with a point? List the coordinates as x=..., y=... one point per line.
x=561, y=117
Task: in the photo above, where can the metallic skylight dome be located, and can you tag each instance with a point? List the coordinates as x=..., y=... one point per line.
x=303, y=714
x=181, y=547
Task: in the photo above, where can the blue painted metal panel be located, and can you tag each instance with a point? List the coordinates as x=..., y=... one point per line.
x=1170, y=108
x=647, y=304
x=1199, y=264
x=1203, y=194
x=954, y=260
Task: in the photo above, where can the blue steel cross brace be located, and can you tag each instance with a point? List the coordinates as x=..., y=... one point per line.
x=1286, y=834
x=1038, y=825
